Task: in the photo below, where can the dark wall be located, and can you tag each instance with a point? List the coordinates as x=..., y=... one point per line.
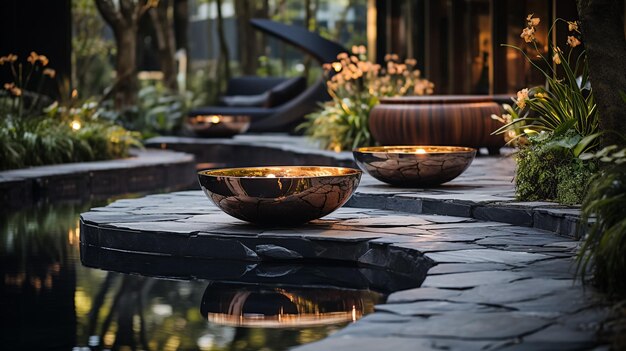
x=40, y=26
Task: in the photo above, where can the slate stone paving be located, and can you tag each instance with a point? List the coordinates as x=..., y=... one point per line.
x=489, y=285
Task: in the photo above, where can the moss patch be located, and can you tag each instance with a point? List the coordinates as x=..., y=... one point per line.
x=553, y=174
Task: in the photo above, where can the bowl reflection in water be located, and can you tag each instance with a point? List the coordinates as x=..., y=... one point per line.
x=281, y=307
x=414, y=166
x=284, y=195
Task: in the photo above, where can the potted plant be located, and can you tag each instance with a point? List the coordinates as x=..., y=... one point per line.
x=356, y=86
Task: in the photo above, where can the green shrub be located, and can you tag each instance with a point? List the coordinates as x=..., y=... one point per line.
x=546, y=170
x=604, y=217
x=44, y=140
x=605, y=244
x=34, y=135
x=340, y=127
x=158, y=111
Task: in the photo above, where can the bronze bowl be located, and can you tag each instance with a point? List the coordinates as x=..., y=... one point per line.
x=282, y=195
x=218, y=126
x=414, y=166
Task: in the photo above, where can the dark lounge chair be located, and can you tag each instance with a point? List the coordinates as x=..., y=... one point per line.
x=277, y=104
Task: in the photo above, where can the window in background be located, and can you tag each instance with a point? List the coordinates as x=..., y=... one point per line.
x=458, y=42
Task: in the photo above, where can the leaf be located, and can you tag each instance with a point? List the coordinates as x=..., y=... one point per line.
x=564, y=127
x=584, y=144
x=587, y=156
x=567, y=142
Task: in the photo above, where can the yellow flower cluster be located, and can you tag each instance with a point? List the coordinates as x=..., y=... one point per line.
x=10, y=58
x=573, y=41
x=562, y=98
x=514, y=136
x=522, y=97
x=528, y=33
x=34, y=58
x=11, y=87
x=352, y=74
x=557, y=55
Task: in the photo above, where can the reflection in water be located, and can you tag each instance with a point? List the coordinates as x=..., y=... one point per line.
x=49, y=300
x=38, y=278
x=149, y=313
x=247, y=305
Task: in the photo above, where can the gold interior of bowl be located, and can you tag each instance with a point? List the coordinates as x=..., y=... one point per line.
x=281, y=172
x=417, y=149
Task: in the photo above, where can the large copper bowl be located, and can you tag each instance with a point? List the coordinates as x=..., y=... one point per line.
x=450, y=120
x=414, y=166
x=284, y=195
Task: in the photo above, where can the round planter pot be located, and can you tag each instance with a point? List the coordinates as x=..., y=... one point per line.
x=454, y=120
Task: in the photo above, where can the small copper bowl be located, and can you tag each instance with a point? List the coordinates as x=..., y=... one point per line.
x=414, y=166
x=218, y=126
x=284, y=195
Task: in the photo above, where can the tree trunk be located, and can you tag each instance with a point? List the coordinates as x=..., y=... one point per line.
x=602, y=27
x=341, y=22
x=310, y=23
x=224, y=53
x=125, y=88
x=164, y=30
x=246, y=37
x=123, y=18
x=181, y=24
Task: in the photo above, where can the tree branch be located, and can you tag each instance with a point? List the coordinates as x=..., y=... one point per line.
x=110, y=14
x=128, y=9
x=146, y=5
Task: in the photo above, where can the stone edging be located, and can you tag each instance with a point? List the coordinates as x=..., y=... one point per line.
x=146, y=171
x=545, y=216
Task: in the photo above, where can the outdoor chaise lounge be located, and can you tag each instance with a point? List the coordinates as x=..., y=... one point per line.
x=277, y=104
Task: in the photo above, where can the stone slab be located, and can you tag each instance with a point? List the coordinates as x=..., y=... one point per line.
x=486, y=256
x=471, y=279
x=484, y=285
x=475, y=326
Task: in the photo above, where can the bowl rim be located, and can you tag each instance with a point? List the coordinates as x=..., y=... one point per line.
x=349, y=172
x=391, y=149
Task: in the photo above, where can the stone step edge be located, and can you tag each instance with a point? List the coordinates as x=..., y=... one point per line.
x=146, y=170
x=559, y=219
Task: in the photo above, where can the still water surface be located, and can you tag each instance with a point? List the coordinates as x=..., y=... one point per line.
x=50, y=301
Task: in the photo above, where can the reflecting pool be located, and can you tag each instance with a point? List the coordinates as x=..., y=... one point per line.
x=51, y=301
